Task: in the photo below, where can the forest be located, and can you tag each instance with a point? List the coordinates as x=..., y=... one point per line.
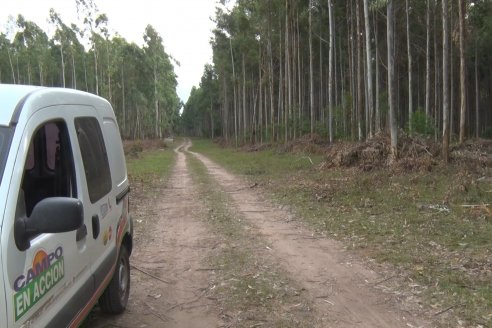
x=347, y=70
x=139, y=82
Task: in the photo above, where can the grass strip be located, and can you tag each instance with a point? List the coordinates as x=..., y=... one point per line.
x=252, y=289
x=414, y=221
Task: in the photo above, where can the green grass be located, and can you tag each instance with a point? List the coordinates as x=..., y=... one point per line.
x=254, y=290
x=264, y=163
x=392, y=217
x=151, y=165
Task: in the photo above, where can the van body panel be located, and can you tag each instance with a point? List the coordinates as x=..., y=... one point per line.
x=58, y=279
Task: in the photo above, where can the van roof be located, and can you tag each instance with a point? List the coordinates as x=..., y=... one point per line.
x=13, y=98
x=10, y=97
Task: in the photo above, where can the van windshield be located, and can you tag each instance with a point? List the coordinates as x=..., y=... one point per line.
x=5, y=139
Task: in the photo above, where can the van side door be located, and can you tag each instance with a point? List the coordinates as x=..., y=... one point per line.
x=101, y=206
x=48, y=283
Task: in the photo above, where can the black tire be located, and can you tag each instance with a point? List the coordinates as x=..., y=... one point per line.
x=115, y=297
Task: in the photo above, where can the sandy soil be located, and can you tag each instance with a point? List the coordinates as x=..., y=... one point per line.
x=171, y=283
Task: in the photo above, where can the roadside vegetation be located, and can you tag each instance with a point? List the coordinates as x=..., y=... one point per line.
x=428, y=226
x=148, y=160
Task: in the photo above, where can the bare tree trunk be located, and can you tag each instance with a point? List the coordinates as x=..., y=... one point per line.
x=391, y=78
x=156, y=103
x=330, y=70
x=462, y=14
x=378, y=113
x=95, y=69
x=11, y=66
x=445, y=81
x=63, y=66
x=351, y=37
x=360, y=109
x=245, y=123
x=123, y=96
x=437, y=79
x=234, y=90
x=477, y=97
x=74, y=74
x=288, y=93
x=369, y=100
x=427, y=63
x=270, y=82
x=409, y=53
x=311, y=83
x=260, y=102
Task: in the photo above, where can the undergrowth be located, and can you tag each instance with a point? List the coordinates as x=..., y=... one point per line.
x=433, y=226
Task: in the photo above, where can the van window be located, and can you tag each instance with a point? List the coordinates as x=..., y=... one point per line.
x=94, y=157
x=48, y=170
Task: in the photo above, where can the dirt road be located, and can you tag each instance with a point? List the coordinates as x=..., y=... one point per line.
x=173, y=283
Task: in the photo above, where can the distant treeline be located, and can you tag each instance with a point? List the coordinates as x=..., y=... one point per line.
x=139, y=82
x=347, y=69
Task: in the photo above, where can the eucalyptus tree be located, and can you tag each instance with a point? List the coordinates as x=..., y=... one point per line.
x=32, y=48
x=6, y=52
x=445, y=81
x=462, y=15
x=390, y=34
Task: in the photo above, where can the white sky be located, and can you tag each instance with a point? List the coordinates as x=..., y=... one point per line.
x=184, y=25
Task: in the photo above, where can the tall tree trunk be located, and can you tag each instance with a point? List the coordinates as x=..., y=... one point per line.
x=351, y=36
x=95, y=69
x=445, y=81
x=245, y=123
x=123, y=99
x=409, y=53
x=74, y=74
x=369, y=100
x=427, y=63
x=477, y=96
x=234, y=92
x=311, y=69
x=330, y=70
x=391, y=78
x=260, y=102
x=156, y=103
x=462, y=14
x=11, y=66
x=360, y=93
x=378, y=112
x=270, y=82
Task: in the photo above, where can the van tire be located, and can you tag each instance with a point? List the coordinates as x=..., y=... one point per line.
x=115, y=297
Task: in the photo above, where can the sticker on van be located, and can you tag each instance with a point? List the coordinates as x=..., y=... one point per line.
x=46, y=271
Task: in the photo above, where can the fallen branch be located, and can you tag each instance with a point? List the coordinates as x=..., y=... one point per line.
x=384, y=280
x=189, y=302
x=149, y=274
x=151, y=309
x=474, y=206
x=445, y=310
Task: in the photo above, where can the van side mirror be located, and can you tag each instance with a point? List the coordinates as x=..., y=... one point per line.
x=51, y=215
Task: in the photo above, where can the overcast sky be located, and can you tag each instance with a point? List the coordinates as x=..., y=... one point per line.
x=184, y=25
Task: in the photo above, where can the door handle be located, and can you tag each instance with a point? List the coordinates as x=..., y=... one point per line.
x=81, y=233
x=95, y=226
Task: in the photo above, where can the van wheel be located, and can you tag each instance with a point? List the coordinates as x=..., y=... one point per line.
x=115, y=297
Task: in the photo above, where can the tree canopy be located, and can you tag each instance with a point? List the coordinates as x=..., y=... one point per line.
x=285, y=68
x=139, y=81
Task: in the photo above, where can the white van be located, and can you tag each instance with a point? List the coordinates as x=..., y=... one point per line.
x=65, y=229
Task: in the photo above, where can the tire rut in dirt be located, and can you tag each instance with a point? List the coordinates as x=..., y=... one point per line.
x=340, y=287
x=169, y=287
